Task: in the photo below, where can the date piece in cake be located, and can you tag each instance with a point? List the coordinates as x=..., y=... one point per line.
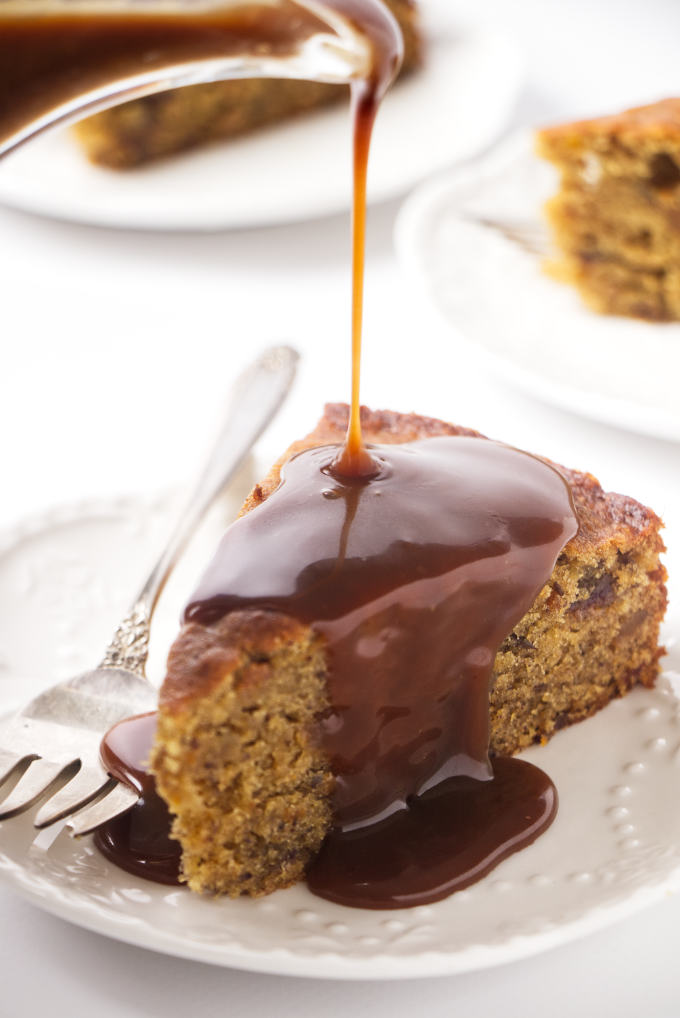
x=238, y=757
x=145, y=129
x=616, y=219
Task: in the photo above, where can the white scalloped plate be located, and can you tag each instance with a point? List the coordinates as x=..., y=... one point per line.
x=615, y=846
x=298, y=170
x=531, y=330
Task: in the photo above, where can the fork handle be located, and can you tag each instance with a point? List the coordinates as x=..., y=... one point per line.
x=256, y=397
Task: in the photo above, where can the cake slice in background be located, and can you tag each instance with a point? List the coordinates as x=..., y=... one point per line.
x=140, y=131
x=616, y=218
x=238, y=757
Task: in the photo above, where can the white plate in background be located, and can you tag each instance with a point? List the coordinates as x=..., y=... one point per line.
x=66, y=579
x=461, y=238
x=452, y=108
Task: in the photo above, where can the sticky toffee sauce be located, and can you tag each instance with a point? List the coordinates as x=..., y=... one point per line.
x=138, y=840
x=50, y=58
x=414, y=577
x=414, y=562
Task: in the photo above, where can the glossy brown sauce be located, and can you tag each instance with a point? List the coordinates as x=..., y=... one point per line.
x=139, y=840
x=52, y=59
x=414, y=562
x=414, y=577
x=446, y=840
x=367, y=94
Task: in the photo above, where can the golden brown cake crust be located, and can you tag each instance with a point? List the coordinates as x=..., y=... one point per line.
x=197, y=662
x=659, y=121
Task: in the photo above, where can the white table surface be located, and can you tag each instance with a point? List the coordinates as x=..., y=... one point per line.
x=117, y=349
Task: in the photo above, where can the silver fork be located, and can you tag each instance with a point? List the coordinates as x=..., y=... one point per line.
x=531, y=237
x=50, y=749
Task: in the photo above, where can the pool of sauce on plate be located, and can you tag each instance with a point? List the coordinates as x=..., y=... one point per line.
x=414, y=562
x=139, y=839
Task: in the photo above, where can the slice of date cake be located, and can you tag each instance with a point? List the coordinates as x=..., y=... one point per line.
x=616, y=218
x=237, y=755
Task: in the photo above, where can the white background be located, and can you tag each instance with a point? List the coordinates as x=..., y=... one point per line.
x=117, y=350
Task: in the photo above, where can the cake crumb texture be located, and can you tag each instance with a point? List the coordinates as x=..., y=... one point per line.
x=240, y=764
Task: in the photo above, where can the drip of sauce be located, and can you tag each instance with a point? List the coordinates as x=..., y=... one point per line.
x=414, y=563
x=139, y=840
x=367, y=93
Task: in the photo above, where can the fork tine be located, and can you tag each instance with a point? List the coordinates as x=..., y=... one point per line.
x=117, y=801
x=13, y=763
x=531, y=238
x=88, y=786
x=41, y=779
